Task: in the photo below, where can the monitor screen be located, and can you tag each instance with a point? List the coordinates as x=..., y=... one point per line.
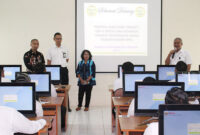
x=139, y=68
x=192, y=81
x=181, y=122
x=18, y=97
x=55, y=73
x=9, y=72
x=166, y=73
x=130, y=79
x=151, y=96
x=120, y=71
x=41, y=81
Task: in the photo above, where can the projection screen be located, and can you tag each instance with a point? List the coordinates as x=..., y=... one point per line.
x=116, y=31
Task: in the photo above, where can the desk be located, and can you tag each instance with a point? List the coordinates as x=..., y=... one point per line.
x=63, y=92
x=130, y=124
x=118, y=103
x=53, y=102
x=48, y=119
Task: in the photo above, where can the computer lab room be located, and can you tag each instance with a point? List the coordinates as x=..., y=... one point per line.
x=99, y=67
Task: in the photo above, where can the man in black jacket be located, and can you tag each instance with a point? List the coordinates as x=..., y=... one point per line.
x=33, y=57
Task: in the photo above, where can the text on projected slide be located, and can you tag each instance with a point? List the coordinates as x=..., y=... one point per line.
x=116, y=29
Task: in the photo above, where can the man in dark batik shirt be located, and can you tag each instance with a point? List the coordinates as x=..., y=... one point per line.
x=33, y=57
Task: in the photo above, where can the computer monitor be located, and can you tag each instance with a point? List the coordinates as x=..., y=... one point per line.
x=179, y=120
x=137, y=68
x=55, y=73
x=42, y=83
x=129, y=79
x=119, y=71
x=166, y=72
x=148, y=96
x=192, y=82
x=20, y=96
x=10, y=70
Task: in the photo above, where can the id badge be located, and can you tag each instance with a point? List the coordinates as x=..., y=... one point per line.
x=64, y=55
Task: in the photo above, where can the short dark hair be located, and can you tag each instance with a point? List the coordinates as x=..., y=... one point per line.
x=176, y=96
x=39, y=68
x=149, y=79
x=57, y=33
x=83, y=52
x=34, y=40
x=181, y=66
x=128, y=67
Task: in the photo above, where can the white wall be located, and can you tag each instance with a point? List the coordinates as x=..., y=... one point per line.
x=181, y=19
x=22, y=20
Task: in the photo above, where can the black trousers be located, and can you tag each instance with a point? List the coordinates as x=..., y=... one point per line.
x=65, y=79
x=64, y=76
x=63, y=115
x=84, y=89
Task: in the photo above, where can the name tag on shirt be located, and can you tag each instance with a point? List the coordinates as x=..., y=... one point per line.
x=64, y=55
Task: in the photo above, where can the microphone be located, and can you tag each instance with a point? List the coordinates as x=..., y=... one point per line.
x=173, y=55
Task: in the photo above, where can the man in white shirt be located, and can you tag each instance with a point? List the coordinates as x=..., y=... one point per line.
x=178, y=54
x=127, y=66
x=59, y=55
x=11, y=121
x=3, y=79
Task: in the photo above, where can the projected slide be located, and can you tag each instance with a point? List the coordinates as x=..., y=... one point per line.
x=182, y=123
x=17, y=97
x=116, y=31
x=116, y=28
x=150, y=97
x=192, y=81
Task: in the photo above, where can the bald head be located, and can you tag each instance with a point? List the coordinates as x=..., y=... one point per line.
x=34, y=44
x=178, y=43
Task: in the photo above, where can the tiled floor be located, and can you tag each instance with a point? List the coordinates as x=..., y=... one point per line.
x=97, y=121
